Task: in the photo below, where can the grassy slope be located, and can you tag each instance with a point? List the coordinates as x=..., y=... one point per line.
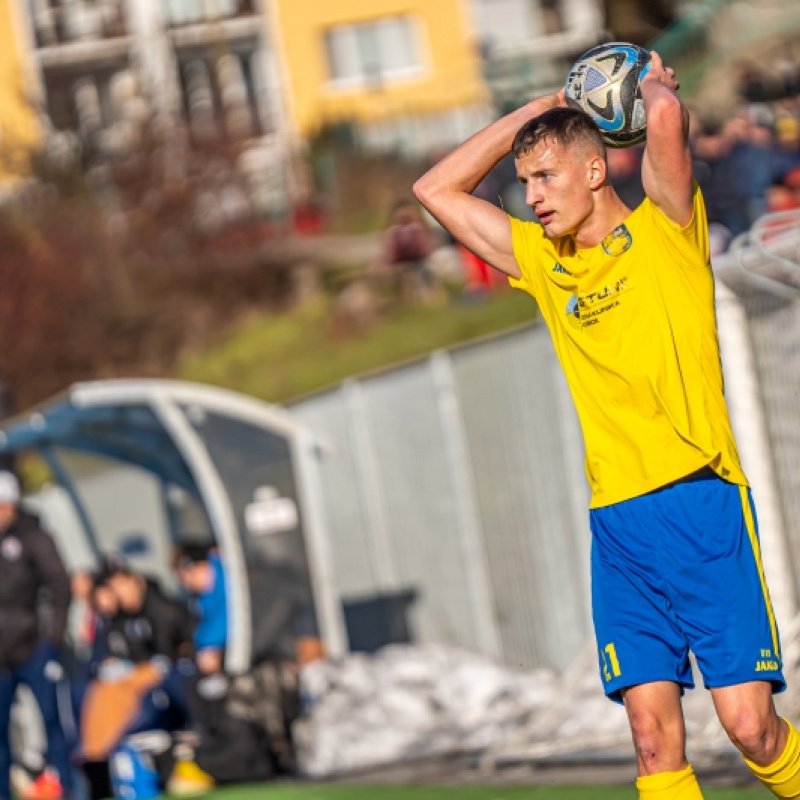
x=315, y=792
x=277, y=358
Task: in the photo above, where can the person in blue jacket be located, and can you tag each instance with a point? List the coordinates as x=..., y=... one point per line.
x=200, y=572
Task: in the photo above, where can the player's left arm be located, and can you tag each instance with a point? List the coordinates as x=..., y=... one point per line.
x=667, y=163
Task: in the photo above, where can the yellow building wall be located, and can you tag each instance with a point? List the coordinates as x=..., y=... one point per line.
x=20, y=133
x=450, y=76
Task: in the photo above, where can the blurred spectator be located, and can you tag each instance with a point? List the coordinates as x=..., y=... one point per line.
x=82, y=620
x=751, y=166
x=308, y=217
x=788, y=76
x=149, y=623
x=783, y=198
x=82, y=626
x=730, y=190
x=480, y=276
x=229, y=748
x=759, y=144
x=136, y=685
x=787, y=152
x=753, y=86
x=105, y=603
x=407, y=246
x=31, y=567
x=199, y=570
x=734, y=169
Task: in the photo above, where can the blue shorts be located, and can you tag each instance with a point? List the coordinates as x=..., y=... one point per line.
x=679, y=569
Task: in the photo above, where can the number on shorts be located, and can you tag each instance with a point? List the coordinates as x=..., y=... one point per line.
x=610, y=663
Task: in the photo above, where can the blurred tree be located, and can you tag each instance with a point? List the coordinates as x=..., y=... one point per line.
x=122, y=267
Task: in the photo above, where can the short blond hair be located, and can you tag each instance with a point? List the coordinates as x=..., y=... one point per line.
x=566, y=126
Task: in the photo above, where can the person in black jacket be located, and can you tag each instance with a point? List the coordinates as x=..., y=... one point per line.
x=150, y=624
x=142, y=638
x=149, y=627
x=29, y=567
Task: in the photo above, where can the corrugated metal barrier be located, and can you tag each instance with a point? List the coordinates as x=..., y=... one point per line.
x=461, y=476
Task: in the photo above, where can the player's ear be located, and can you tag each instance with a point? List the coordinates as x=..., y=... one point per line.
x=598, y=170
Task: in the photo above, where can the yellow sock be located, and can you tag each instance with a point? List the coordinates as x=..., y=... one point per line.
x=782, y=778
x=669, y=786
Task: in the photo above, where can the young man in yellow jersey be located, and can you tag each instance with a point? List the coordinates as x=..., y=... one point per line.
x=628, y=296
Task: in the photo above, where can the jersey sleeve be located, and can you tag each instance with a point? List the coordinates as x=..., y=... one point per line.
x=691, y=240
x=526, y=238
x=212, y=630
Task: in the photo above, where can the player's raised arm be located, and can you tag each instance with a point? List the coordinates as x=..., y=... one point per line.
x=667, y=164
x=446, y=189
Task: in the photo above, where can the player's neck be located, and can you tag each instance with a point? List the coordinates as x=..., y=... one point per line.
x=609, y=213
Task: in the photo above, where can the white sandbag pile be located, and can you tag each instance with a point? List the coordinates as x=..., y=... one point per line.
x=412, y=701
x=408, y=702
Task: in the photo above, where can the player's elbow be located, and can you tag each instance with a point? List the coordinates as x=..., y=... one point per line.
x=425, y=190
x=666, y=110
x=435, y=189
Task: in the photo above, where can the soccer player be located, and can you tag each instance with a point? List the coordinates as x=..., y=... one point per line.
x=628, y=296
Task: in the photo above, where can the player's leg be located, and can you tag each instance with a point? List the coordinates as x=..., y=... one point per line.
x=656, y=719
x=748, y=715
x=770, y=745
x=659, y=736
x=643, y=655
x=722, y=603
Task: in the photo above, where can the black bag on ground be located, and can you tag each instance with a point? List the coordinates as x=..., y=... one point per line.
x=230, y=750
x=268, y=697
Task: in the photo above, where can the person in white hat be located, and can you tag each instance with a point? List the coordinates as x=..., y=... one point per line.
x=29, y=563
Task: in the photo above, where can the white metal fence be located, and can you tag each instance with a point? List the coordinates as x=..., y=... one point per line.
x=461, y=476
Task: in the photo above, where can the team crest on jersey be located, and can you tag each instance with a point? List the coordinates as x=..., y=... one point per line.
x=11, y=548
x=574, y=311
x=618, y=241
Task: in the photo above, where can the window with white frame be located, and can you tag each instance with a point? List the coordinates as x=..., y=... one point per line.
x=373, y=51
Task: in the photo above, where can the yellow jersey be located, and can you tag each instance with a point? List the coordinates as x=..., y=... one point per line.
x=634, y=327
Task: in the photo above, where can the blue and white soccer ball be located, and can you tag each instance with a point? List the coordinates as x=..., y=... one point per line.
x=604, y=82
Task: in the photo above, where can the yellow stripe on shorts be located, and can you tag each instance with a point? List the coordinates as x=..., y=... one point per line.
x=751, y=532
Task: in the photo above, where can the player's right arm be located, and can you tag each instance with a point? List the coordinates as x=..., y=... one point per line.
x=446, y=189
x=667, y=162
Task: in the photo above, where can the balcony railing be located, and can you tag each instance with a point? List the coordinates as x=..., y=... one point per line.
x=64, y=21
x=194, y=12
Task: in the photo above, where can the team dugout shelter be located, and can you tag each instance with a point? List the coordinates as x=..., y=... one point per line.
x=141, y=466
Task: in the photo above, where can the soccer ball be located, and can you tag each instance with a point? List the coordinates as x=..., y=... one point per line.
x=604, y=82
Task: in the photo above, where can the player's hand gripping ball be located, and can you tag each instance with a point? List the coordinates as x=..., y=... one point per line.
x=604, y=82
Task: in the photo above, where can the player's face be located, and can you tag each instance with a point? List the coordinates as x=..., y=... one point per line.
x=557, y=186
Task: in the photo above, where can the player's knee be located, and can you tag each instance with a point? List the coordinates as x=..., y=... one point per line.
x=658, y=743
x=754, y=735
